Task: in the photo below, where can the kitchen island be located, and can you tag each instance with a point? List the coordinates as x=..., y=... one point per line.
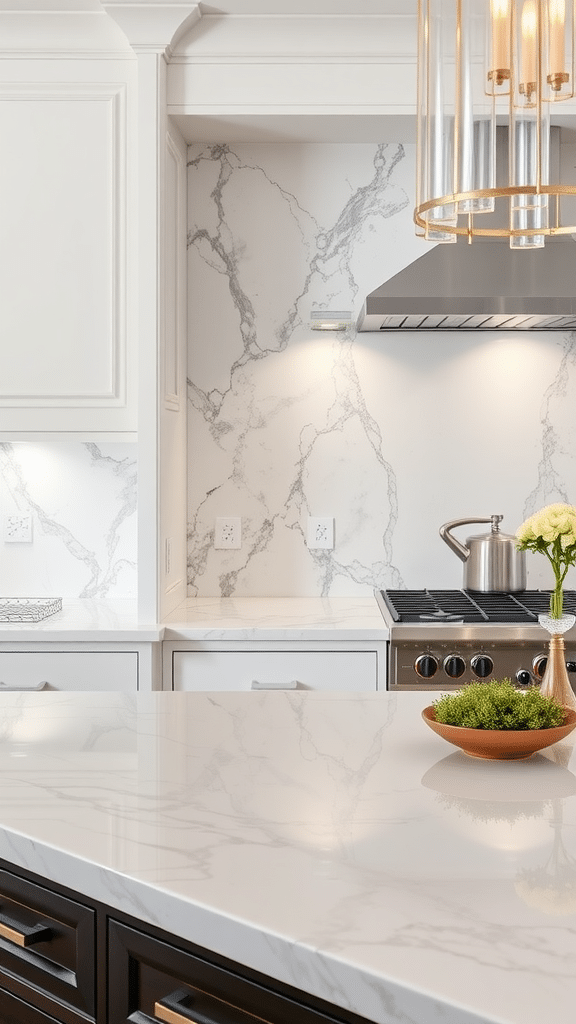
x=331, y=842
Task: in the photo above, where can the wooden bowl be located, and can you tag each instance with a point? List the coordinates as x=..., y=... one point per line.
x=500, y=744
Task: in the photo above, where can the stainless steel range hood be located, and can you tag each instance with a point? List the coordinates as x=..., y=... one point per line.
x=484, y=286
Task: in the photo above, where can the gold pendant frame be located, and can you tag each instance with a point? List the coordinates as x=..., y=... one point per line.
x=526, y=67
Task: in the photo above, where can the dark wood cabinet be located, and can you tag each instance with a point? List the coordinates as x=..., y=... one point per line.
x=157, y=980
x=70, y=960
x=16, y=1011
x=46, y=949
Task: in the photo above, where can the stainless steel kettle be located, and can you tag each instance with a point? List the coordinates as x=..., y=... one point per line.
x=492, y=561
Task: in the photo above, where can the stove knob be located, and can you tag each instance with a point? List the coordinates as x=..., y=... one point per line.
x=482, y=665
x=523, y=677
x=454, y=666
x=539, y=665
x=426, y=665
x=571, y=666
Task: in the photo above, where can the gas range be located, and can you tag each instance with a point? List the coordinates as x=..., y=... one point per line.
x=443, y=639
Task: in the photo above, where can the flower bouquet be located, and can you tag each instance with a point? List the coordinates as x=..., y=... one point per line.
x=552, y=532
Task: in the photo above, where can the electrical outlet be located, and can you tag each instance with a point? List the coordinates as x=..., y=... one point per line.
x=320, y=532
x=228, y=532
x=18, y=528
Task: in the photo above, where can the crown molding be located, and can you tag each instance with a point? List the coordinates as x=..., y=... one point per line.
x=156, y=27
x=297, y=38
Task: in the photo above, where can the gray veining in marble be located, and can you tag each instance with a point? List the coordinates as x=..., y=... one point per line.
x=82, y=498
x=392, y=436
x=552, y=485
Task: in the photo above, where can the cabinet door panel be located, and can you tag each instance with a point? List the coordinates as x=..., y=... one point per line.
x=49, y=235
x=70, y=670
x=46, y=948
x=310, y=670
x=15, y=1011
x=64, y=360
x=154, y=978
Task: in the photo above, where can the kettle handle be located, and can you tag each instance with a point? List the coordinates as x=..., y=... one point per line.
x=460, y=549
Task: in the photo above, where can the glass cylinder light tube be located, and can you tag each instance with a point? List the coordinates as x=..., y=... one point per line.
x=436, y=144
x=475, y=167
x=529, y=139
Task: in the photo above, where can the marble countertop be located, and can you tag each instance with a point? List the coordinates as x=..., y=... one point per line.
x=330, y=841
x=85, y=620
x=277, y=618
x=209, y=618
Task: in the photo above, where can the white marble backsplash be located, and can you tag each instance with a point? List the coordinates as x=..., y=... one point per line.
x=391, y=435
x=82, y=499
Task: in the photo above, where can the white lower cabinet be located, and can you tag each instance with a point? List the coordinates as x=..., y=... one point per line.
x=118, y=667
x=343, y=669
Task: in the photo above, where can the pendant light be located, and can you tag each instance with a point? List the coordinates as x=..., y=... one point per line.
x=483, y=63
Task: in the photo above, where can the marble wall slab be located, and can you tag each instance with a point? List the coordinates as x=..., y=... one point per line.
x=82, y=499
x=390, y=435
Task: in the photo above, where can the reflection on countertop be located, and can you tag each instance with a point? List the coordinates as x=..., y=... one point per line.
x=513, y=803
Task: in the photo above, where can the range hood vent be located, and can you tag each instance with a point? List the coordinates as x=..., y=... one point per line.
x=484, y=286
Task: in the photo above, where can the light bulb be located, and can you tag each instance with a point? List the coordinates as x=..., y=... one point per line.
x=529, y=54
x=500, y=17
x=557, y=18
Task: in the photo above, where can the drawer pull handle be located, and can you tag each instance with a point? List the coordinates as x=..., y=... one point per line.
x=167, y=1009
x=23, y=935
x=292, y=685
x=27, y=688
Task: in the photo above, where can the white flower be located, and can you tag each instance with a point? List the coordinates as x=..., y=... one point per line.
x=552, y=532
x=526, y=531
x=549, y=523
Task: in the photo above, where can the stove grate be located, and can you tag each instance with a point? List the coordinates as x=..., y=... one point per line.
x=471, y=606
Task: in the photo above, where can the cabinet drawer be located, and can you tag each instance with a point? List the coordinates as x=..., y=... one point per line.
x=154, y=978
x=46, y=948
x=70, y=670
x=15, y=1011
x=239, y=670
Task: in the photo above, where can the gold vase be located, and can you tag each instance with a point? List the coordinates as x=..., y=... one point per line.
x=556, y=681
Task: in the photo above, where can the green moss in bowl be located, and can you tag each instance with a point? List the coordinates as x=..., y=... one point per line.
x=499, y=705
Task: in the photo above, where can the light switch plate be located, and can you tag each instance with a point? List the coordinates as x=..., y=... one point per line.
x=18, y=528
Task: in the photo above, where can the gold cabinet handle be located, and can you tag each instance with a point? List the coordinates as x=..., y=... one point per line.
x=23, y=935
x=170, y=1015
x=166, y=1010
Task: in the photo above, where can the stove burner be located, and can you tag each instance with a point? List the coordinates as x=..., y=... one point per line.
x=471, y=606
x=441, y=616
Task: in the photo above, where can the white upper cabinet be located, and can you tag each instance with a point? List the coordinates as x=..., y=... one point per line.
x=67, y=208
x=304, y=72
